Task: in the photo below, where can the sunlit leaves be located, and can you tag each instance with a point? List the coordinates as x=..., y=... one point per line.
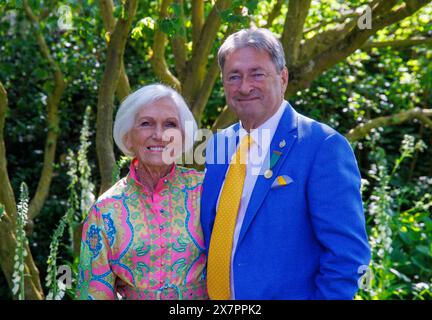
x=239, y=12
x=145, y=23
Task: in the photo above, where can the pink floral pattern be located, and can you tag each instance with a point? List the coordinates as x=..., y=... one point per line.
x=138, y=246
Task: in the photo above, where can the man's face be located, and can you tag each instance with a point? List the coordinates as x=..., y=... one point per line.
x=253, y=87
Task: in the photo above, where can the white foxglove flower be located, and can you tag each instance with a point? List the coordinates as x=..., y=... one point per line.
x=15, y=289
x=61, y=285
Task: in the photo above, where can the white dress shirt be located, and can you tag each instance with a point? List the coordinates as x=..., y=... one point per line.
x=257, y=159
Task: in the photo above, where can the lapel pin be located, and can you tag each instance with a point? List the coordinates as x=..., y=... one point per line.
x=268, y=174
x=274, y=158
x=282, y=144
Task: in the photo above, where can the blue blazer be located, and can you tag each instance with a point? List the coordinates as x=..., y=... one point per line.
x=304, y=240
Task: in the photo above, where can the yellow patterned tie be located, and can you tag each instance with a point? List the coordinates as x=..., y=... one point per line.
x=219, y=257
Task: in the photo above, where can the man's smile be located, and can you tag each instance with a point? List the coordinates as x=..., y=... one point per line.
x=247, y=99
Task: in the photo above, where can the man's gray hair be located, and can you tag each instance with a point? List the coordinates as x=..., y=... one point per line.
x=258, y=38
x=144, y=98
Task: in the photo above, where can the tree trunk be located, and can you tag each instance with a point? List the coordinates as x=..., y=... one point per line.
x=33, y=289
x=108, y=87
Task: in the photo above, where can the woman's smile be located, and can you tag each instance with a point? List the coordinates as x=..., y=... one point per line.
x=157, y=148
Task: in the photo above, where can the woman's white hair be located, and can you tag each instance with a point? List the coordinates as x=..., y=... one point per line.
x=144, y=98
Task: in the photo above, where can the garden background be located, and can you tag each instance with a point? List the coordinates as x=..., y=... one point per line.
x=362, y=66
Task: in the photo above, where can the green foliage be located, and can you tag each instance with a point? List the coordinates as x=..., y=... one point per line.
x=121, y=164
x=398, y=217
x=173, y=25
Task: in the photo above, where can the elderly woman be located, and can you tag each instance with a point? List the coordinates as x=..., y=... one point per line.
x=142, y=238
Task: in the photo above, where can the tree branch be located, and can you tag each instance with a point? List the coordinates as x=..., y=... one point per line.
x=179, y=50
x=158, y=62
x=201, y=49
x=397, y=43
x=105, y=108
x=339, y=20
x=53, y=102
x=197, y=19
x=274, y=13
x=209, y=81
x=107, y=11
x=106, y=8
x=329, y=38
x=363, y=129
x=179, y=45
x=312, y=65
x=7, y=197
x=347, y=15
x=33, y=288
x=293, y=29
x=324, y=40
x=206, y=90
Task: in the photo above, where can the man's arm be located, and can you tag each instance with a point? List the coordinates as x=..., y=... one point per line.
x=336, y=211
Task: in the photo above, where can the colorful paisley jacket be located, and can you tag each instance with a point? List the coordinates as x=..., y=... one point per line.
x=141, y=246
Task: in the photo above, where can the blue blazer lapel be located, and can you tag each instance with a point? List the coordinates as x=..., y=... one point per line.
x=286, y=131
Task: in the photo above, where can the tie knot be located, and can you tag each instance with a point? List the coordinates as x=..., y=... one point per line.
x=243, y=148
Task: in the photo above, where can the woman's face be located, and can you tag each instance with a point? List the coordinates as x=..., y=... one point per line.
x=156, y=137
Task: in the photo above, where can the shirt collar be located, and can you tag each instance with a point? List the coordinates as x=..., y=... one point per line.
x=270, y=124
x=162, y=183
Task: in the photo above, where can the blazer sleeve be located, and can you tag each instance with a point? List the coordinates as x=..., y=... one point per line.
x=338, y=220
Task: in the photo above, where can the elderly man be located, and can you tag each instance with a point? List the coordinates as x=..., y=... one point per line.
x=281, y=208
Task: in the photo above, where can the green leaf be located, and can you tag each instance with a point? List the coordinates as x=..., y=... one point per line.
x=425, y=250
x=177, y=10
x=166, y=26
x=421, y=264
